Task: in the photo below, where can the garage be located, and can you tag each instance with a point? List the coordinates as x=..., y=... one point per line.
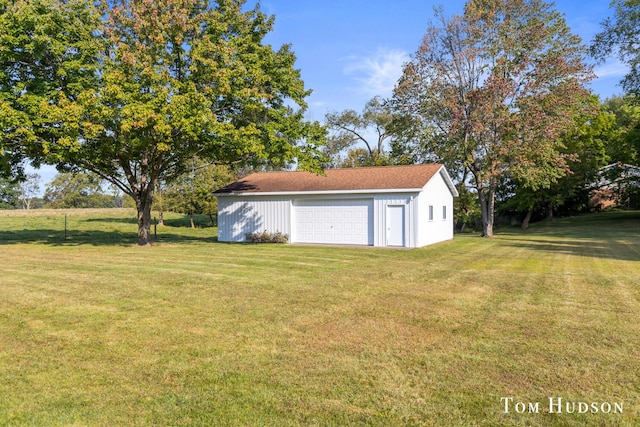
x=333, y=222
x=391, y=206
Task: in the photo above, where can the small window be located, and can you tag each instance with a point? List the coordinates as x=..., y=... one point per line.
x=444, y=213
x=430, y=212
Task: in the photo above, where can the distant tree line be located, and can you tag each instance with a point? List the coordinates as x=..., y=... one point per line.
x=191, y=193
x=66, y=190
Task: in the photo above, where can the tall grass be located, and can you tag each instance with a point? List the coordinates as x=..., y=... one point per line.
x=97, y=331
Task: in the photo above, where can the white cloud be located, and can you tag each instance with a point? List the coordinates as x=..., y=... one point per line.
x=378, y=73
x=611, y=69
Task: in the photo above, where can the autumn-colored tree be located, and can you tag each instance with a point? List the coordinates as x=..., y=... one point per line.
x=134, y=89
x=493, y=90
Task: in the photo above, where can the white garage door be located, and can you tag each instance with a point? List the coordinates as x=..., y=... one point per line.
x=333, y=221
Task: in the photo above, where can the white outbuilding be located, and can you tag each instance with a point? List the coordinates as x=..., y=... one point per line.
x=400, y=206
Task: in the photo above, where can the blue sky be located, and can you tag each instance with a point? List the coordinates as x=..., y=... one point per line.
x=351, y=50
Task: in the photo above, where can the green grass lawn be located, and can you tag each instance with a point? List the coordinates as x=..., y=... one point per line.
x=97, y=331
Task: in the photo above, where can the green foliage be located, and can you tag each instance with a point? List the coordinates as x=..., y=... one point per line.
x=360, y=157
x=619, y=37
x=9, y=194
x=48, y=58
x=624, y=146
x=266, y=237
x=20, y=192
x=585, y=147
x=80, y=190
x=192, y=192
x=466, y=210
x=134, y=90
x=372, y=128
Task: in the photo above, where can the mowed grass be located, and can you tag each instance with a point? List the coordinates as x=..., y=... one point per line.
x=96, y=331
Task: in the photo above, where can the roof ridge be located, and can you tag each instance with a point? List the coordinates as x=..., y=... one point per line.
x=387, y=166
x=340, y=179
x=351, y=169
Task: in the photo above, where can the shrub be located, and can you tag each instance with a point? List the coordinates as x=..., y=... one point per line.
x=266, y=237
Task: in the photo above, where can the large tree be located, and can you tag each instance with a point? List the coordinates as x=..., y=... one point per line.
x=493, y=90
x=47, y=54
x=133, y=90
x=371, y=129
x=619, y=37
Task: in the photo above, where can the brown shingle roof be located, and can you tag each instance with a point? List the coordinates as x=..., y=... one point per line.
x=368, y=178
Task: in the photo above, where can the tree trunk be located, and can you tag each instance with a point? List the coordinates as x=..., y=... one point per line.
x=486, y=196
x=549, y=211
x=487, y=205
x=143, y=206
x=527, y=218
x=193, y=224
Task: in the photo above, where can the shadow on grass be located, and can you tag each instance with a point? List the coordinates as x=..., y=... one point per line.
x=611, y=235
x=112, y=220
x=589, y=248
x=93, y=238
x=201, y=221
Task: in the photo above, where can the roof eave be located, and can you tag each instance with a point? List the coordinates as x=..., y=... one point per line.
x=320, y=192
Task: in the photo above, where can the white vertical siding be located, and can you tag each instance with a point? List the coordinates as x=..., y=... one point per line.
x=436, y=194
x=380, y=203
x=238, y=216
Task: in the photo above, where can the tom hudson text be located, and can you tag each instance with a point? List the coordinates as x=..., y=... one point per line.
x=558, y=405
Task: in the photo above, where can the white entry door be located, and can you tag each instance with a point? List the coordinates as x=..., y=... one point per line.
x=333, y=221
x=395, y=225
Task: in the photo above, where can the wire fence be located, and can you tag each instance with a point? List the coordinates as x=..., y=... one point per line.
x=96, y=226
